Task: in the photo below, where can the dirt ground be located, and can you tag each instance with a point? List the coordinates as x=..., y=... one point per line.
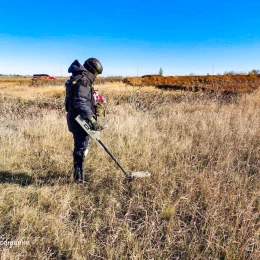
x=221, y=83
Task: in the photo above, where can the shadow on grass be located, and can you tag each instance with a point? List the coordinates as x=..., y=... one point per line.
x=23, y=179
x=52, y=178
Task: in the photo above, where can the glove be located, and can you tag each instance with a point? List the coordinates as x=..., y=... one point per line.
x=100, y=109
x=95, y=125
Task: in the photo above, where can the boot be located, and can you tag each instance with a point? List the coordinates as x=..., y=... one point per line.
x=78, y=177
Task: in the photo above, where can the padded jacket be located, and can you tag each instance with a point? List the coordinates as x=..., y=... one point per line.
x=82, y=98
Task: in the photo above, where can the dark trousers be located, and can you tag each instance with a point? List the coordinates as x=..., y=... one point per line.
x=80, y=146
x=81, y=140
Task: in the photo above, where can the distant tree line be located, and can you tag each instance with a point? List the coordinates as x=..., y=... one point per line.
x=120, y=78
x=252, y=72
x=12, y=75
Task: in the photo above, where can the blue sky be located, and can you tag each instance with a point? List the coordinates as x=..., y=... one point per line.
x=130, y=37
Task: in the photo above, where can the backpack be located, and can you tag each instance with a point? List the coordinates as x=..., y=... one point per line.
x=68, y=103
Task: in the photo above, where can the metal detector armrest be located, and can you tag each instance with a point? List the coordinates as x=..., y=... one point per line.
x=95, y=135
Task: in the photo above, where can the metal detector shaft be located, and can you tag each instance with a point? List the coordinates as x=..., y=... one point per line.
x=112, y=156
x=95, y=135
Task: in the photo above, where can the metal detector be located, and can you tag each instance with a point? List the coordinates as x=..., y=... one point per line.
x=95, y=135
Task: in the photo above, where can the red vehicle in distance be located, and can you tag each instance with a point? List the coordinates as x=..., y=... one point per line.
x=43, y=77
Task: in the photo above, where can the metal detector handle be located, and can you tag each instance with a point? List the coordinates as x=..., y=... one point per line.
x=86, y=125
x=111, y=155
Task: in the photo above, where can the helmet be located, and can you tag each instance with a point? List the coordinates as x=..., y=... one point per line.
x=93, y=65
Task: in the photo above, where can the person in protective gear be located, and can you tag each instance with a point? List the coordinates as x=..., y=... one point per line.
x=80, y=101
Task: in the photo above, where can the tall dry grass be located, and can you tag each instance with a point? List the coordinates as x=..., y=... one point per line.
x=201, y=202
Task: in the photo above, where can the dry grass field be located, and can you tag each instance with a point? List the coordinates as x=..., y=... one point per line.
x=202, y=200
